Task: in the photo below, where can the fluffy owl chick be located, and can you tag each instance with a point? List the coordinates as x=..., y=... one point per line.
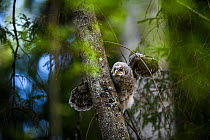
x=122, y=76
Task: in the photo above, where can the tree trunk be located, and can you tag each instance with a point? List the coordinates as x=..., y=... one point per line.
x=54, y=79
x=104, y=95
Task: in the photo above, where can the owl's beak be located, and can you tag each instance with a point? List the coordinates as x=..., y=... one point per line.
x=118, y=73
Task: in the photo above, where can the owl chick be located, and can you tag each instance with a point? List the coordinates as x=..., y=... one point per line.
x=122, y=76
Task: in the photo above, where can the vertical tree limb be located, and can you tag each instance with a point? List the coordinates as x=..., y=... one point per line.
x=54, y=78
x=14, y=122
x=110, y=118
x=15, y=50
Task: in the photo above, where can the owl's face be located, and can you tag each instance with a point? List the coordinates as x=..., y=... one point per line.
x=120, y=69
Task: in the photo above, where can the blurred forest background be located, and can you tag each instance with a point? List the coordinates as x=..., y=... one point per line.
x=40, y=65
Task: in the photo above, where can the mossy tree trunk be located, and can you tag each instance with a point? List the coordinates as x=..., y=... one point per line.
x=106, y=104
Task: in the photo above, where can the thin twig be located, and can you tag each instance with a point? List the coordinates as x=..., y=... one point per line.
x=16, y=51
x=197, y=13
x=132, y=129
x=153, y=29
x=112, y=33
x=89, y=126
x=21, y=82
x=133, y=125
x=15, y=30
x=119, y=45
x=148, y=8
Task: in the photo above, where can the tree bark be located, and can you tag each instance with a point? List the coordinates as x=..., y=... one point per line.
x=104, y=95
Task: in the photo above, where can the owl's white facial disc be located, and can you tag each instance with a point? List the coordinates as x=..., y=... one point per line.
x=118, y=71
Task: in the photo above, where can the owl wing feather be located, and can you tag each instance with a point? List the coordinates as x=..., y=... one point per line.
x=142, y=65
x=80, y=98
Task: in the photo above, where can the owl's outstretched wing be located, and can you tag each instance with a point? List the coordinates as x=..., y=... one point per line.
x=142, y=65
x=80, y=98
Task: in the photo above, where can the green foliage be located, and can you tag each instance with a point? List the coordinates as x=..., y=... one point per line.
x=189, y=63
x=3, y=34
x=185, y=44
x=4, y=6
x=5, y=54
x=154, y=107
x=178, y=33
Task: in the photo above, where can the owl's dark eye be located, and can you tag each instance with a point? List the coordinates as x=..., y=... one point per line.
x=121, y=70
